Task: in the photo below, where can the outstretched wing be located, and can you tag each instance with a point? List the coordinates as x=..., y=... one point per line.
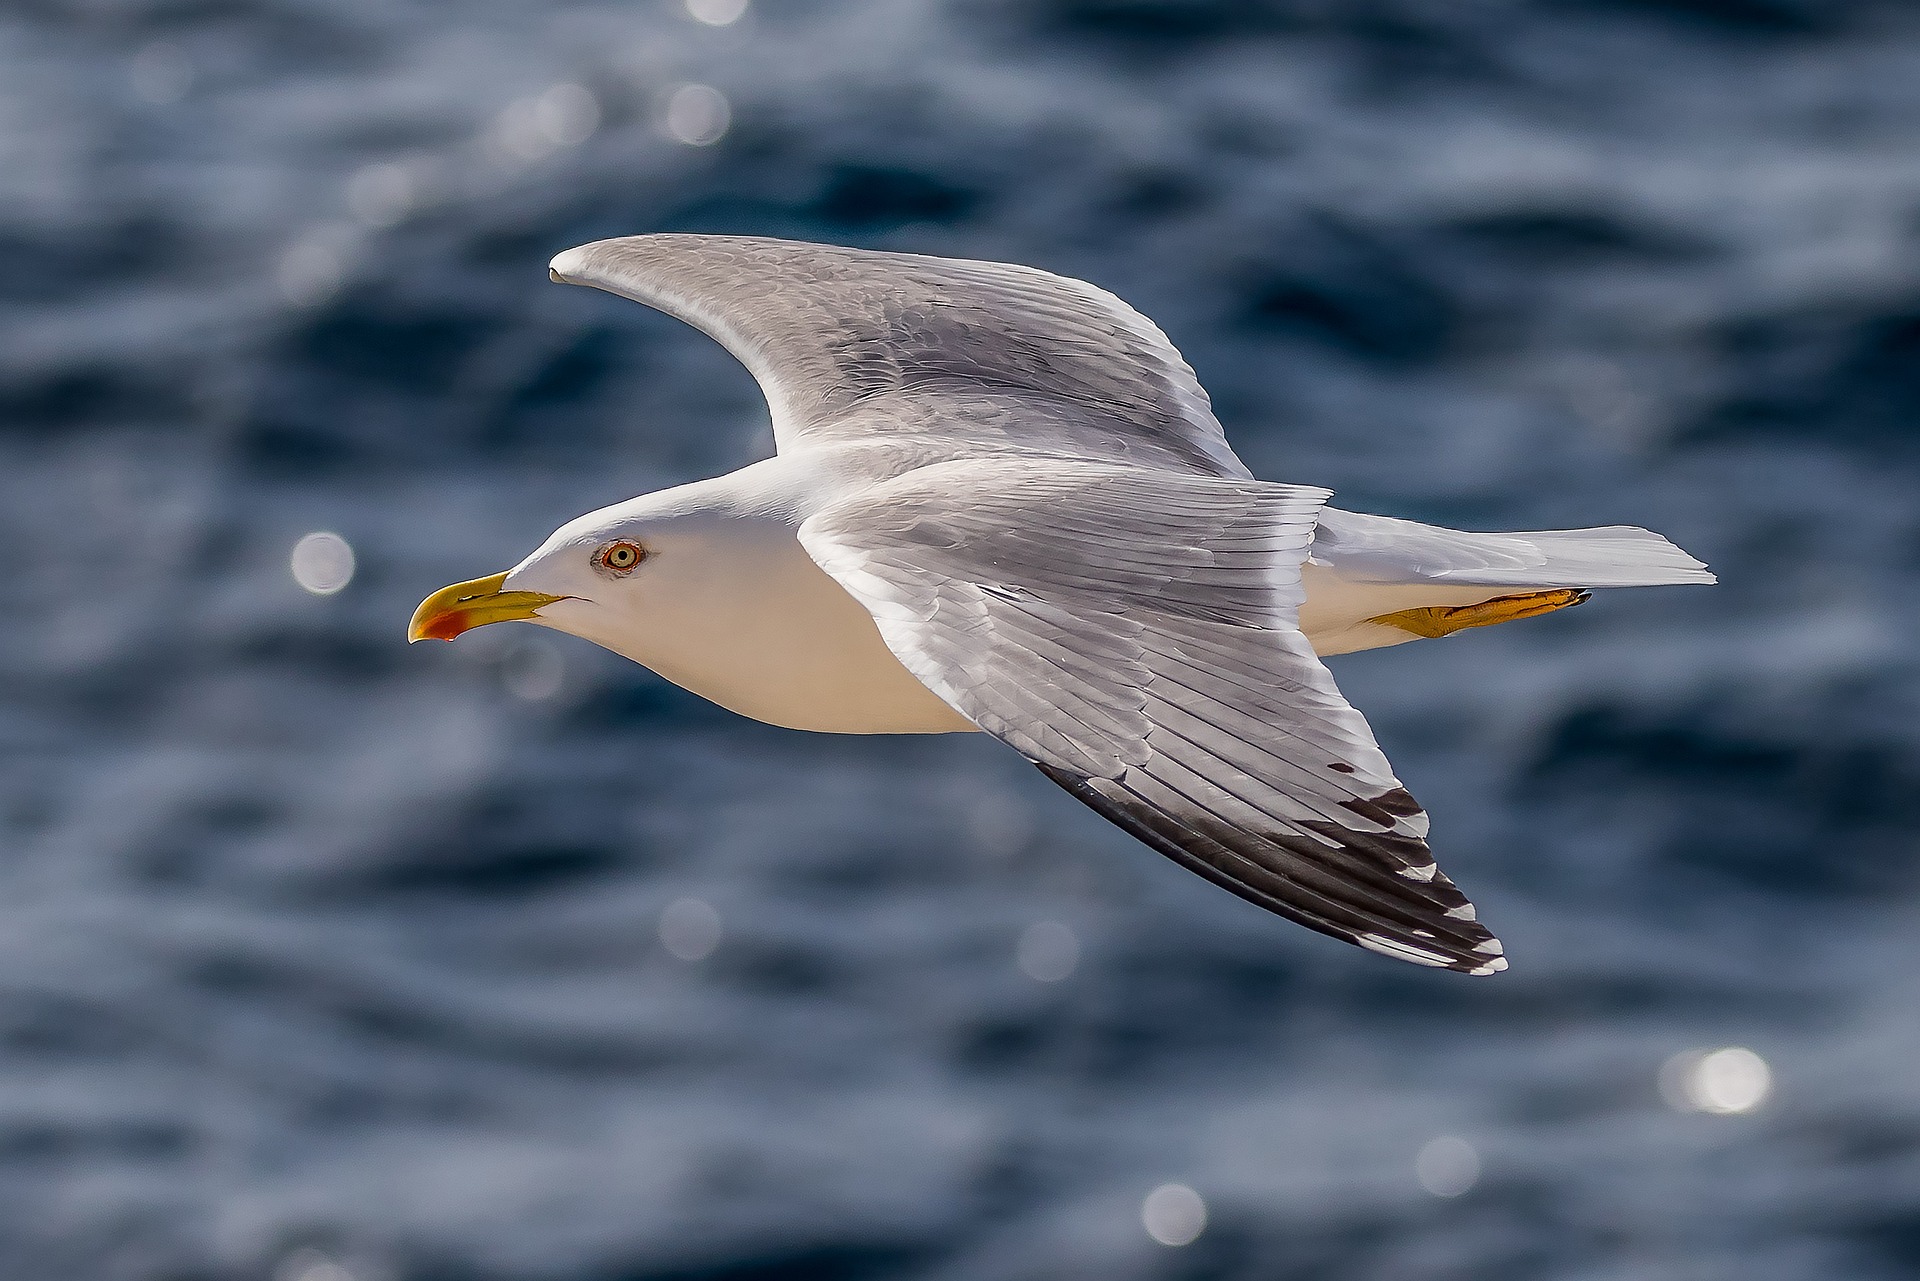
x=1132, y=633
x=849, y=343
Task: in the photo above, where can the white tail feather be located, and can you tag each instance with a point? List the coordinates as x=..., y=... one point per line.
x=1380, y=549
x=1611, y=556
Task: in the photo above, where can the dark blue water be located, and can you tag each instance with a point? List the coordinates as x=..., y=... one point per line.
x=322, y=957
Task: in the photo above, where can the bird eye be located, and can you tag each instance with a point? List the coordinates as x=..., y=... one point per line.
x=621, y=557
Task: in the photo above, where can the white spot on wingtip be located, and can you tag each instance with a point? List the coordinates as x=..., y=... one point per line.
x=1490, y=948
x=1465, y=912
x=1491, y=967
x=1422, y=873
x=1401, y=951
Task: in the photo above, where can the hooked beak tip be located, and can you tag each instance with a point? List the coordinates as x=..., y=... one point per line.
x=462, y=607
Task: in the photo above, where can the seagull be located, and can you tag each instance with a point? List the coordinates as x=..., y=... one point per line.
x=1001, y=502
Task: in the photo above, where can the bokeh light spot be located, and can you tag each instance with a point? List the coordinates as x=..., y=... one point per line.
x=568, y=114
x=1724, y=1082
x=1174, y=1214
x=564, y=116
x=322, y=563
x=310, y=1265
x=690, y=929
x=697, y=115
x=1447, y=1166
x=716, y=13
x=1048, y=951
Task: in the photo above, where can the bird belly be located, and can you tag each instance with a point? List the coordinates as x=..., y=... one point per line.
x=790, y=647
x=829, y=681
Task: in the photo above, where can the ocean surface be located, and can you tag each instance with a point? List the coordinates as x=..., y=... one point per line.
x=323, y=958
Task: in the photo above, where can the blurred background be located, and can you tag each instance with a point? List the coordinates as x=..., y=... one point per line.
x=323, y=958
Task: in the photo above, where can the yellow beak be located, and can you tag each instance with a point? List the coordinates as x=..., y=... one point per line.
x=464, y=606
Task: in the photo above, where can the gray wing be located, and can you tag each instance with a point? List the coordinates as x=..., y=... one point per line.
x=848, y=343
x=1133, y=635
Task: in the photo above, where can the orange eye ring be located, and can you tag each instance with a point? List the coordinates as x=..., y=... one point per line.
x=621, y=558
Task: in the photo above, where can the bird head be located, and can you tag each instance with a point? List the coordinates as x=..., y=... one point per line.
x=589, y=572
x=612, y=576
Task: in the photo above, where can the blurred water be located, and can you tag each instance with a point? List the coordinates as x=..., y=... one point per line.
x=323, y=958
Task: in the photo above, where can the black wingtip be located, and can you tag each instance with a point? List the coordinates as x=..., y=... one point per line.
x=1425, y=921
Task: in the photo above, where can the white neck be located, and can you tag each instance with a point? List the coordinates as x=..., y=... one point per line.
x=743, y=617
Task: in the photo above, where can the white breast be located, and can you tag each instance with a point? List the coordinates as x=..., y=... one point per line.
x=763, y=631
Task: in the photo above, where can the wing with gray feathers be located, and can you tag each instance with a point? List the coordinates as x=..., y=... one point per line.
x=1132, y=633
x=849, y=343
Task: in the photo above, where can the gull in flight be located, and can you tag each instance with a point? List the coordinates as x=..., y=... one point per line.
x=1001, y=502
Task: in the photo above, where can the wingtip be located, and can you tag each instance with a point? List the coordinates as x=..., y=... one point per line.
x=1496, y=954
x=1487, y=956
x=568, y=265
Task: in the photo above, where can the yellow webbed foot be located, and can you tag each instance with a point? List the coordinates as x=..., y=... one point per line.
x=1445, y=620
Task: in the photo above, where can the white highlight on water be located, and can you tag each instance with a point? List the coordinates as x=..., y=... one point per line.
x=1447, y=1166
x=690, y=929
x=1723, y=1082
x=1048, y=951
x=716, y=13
x=564, y=116
x=568, y=114
x=322, y=563
x=697, y=115
x=307, y=1264
x=1174, y=1214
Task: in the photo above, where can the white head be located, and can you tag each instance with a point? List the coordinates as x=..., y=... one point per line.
x=629, y=577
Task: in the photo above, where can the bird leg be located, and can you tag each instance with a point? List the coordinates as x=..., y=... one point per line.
x=1444, y=620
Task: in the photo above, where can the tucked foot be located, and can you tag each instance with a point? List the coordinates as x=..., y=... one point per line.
x=1445, y=620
